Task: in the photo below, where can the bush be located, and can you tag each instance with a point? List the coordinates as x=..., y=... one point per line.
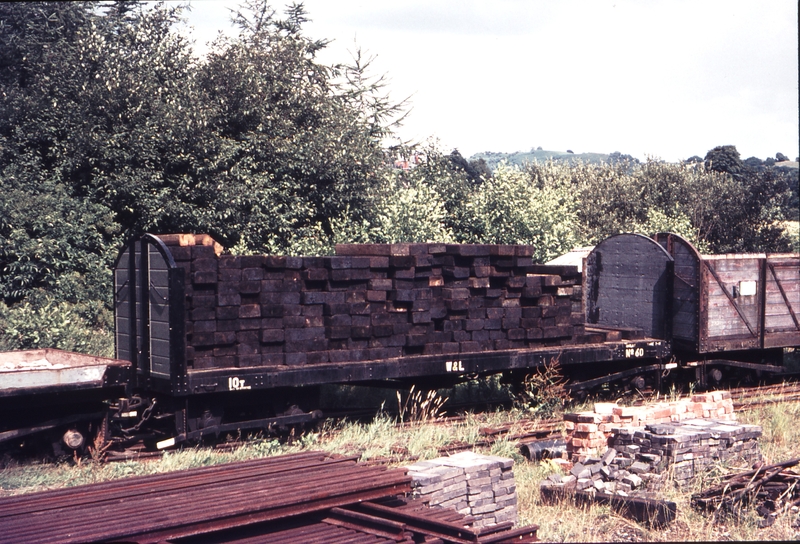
x=403, y=211
x=510, y=209
x=44, y=323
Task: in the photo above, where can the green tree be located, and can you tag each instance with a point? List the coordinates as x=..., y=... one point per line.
x=110, y=127
x=403, y=211
x=300, y=143
x=510, y=209
x=453, y=185
x=724, y=158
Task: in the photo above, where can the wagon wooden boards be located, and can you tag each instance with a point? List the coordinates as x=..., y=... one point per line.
x=735, y=301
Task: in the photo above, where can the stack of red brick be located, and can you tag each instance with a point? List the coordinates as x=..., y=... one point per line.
x=370, y=301
x=589, y=432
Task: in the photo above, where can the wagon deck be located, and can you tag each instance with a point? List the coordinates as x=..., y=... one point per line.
x=423, y=366
x=51, y=370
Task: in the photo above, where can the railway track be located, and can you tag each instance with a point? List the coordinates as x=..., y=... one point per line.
x=748, y=398
x=527, y=430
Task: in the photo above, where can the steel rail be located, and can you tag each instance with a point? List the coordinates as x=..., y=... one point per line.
x=183, y=504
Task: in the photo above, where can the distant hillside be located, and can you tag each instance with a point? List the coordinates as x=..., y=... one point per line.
x=519, y=158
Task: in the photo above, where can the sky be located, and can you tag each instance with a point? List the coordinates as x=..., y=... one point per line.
x=651, y=78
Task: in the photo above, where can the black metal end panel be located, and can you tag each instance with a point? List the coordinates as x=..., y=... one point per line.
x=149, y=305
x=628, y=285
x=685, y=289
x=124, y=306
x=159, y=300
x=163, y=289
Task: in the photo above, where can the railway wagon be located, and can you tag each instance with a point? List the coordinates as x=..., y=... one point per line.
x=208, y=342
x=732, y=310
x=212, y=330
x=49, y=391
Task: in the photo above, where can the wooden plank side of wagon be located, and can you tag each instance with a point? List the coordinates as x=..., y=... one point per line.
x=781, y=301
x=730, y=319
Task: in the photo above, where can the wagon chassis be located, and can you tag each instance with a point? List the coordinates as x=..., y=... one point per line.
x=421, y=367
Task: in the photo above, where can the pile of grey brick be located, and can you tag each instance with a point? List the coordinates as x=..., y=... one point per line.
x=481, y=486
x=688, y=447
x=639, y=459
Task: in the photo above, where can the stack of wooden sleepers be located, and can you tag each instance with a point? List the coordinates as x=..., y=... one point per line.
x=371, y=302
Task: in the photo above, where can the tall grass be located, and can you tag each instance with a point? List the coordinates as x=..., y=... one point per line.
x=383, y=439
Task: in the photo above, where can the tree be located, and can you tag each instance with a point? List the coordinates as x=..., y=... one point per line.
x=616, y=157
x=100, y=104
x=476, y=171
x=109, y=127
x=724, y=158
x=510, y=209
x=299, y=142
x=753, y=162
x=402, y=211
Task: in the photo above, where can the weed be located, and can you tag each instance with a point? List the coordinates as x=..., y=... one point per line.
x=544, y=392
x=419, y=407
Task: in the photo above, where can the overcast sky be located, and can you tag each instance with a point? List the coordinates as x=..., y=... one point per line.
x=668, y=79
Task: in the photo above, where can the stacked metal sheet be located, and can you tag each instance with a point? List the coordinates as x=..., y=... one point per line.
x=481, y=486
x=306, y=497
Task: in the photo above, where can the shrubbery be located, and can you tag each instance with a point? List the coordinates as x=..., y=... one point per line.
x=109, y=128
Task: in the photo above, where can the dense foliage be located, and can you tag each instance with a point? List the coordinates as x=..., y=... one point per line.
x=110, y=127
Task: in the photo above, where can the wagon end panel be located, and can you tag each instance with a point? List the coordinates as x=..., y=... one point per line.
x=125, y=306
x=148, y=303
x=629, y=285
x=685, y=290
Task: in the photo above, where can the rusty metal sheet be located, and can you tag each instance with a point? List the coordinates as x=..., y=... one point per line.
x=196, y=502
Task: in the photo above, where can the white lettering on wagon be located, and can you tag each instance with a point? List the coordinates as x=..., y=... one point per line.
x=454, y=366
x=634, y=352
x=237, y=384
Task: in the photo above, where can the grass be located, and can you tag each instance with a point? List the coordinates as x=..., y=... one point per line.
x=383, y=440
